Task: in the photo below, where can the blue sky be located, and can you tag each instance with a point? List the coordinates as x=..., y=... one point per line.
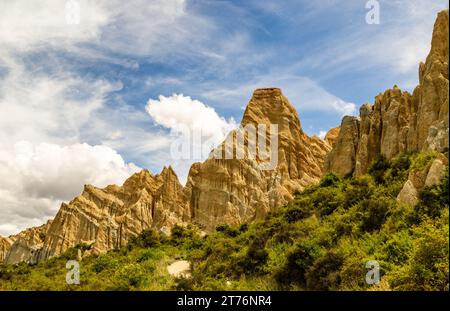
x=75, y=97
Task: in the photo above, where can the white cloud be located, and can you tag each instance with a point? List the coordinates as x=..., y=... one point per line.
x=186, y=118
x=178, y=111
x=26, y=25
x=35, y=178
x=396, y=46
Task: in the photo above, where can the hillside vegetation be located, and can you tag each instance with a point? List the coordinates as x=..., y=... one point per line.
x=320, y=241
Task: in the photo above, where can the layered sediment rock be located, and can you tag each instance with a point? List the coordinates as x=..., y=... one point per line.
x=341, y=160
x=429, y=176
x=234, y=191
x=5, y=246
x=399, y=122
x=332, y=135
x=27, y=244
x=107, y=218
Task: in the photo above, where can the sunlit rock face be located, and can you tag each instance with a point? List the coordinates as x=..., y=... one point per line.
x=235, y=191
x=400, y=122
x=239, y=190
x=107, y=218
x=218, y=191
x=26, y=245
x=5, y=246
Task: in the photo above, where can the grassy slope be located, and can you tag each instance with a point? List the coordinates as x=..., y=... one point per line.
x=320, y=241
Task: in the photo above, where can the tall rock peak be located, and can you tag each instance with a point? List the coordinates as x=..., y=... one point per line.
x=270, y=106
x=400, y=122
x=235, y=191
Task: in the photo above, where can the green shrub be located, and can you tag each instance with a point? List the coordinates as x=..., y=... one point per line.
x=378, y=168
x=400, y=166
x=327, y=200
x=243, y=228
x=433, y=200
x=147, y=238
x=227, y=230
x=299, y=260
x=254, y=260
x=183, y=284
x=423, y=160
x=296, y=213
x=179, y=234
x=103, y=262
x=145, y=255
x=330, y=180
x=374, y=213
x=324, y=273
x=130, y=276
x=428, y=267
x=357, y=190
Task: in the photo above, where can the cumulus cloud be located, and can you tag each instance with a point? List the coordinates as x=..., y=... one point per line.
x=35, y=178
x=177, y=112
x=195, y=129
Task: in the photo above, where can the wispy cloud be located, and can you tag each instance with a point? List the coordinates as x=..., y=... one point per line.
x=82, y=89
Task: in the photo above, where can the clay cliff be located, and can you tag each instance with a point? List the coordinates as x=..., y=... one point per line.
x=238, y=190
x=107, y=218
x=27, y=244
x=5, y=246
x=400, y=122
x=235, y=191
x=218, y=191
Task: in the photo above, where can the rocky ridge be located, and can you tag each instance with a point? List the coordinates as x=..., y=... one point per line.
x=235, y=191
x=218, y=191
x=400, y=122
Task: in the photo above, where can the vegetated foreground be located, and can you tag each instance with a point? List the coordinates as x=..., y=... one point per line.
x=320, y=241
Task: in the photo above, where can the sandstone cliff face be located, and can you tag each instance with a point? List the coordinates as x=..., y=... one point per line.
x=332, y=135
x=341, y=160
x=107, y=218
x=399, y=122
x=431, y=103
x=27, y=244
x=218, y=191
x=5, y=246
x=419, y=179
x=234, y=191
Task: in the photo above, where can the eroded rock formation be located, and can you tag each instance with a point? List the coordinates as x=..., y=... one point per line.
x=27, y=244
x=419, y=179
x=237, y=190
x=218, y=191
x=107, y=218
x=332, y=135
x=399, y=122
x=5, y=246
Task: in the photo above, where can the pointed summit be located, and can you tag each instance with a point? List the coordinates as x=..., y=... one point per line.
x=234, y=190
x=270, y=106
x=439, y=42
